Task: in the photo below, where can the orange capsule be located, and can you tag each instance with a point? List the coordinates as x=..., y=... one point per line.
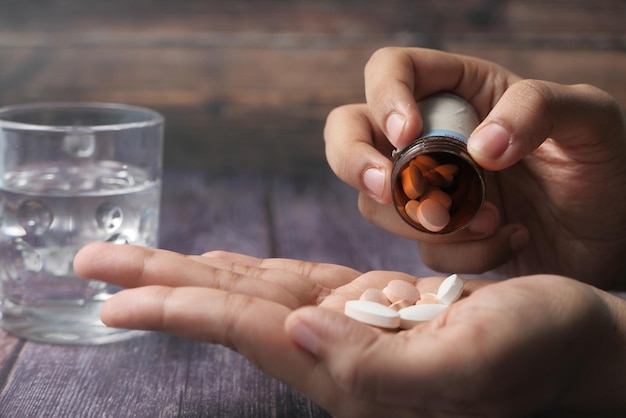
x=432, y=215
x=412, y=182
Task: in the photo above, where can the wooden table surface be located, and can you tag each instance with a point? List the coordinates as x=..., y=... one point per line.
x=156, y=375
x=245, y=87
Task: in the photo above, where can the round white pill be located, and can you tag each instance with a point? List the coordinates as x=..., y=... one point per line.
x=372, y=313
x=450, y=289
x=417, y=314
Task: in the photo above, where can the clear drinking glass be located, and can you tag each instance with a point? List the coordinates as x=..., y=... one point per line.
x=70, y=174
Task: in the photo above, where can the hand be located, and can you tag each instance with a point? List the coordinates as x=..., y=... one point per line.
x=556, y=156
x=506, y=349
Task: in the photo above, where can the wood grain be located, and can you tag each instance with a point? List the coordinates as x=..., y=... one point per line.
x=311, y=218
x=240, y=79
x=245, y=87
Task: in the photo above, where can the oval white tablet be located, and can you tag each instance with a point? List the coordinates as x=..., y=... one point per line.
x=372, y=313
x=417, y=314
x=450, y=289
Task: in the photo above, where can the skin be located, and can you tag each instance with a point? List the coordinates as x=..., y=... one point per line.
x=561, y=144
x=548, y=340
x=463, y=363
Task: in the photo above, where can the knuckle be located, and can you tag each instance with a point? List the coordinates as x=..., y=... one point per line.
x=381, y=55
x=534, y=94
x=603, y=99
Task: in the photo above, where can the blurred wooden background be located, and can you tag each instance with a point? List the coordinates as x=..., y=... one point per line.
x=247, y=84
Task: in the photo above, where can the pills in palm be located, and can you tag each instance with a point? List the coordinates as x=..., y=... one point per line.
x=375, y=295
x=372, y=313
x=417, y=314
x=398, y=290
x=450, y=289
x=425, y=180
x=400, y=304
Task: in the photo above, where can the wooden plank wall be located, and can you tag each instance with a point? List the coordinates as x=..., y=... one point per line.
x=247, y=84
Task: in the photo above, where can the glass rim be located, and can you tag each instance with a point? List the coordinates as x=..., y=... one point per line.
x=152, y=117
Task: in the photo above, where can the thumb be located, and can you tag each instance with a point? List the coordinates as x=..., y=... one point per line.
x=531, y=111
x=338, y=341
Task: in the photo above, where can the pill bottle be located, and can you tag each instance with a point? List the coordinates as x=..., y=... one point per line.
x=448, y=120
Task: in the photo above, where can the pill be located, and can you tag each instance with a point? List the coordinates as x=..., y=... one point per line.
x=397, y=290
x=375, y=295
x=411, y=209
x=447, y=171
x=428, y=298
x=439, y=195
x=401, y=304
x=424, y=162
x=432, y=215
x=412, y=182
x=450, y=289
x=417, y=314
x=433, y=178
x=372, y=313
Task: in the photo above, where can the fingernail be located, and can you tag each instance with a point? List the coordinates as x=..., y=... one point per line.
x=518, y=239
x=374, y=181
x=395, y=125
x=304, y=336
x=490, y=142
x=484, y=223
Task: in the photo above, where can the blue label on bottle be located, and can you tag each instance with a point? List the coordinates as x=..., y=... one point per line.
x=445, y=133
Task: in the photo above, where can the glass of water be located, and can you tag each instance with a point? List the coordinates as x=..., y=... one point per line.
x=70, y=174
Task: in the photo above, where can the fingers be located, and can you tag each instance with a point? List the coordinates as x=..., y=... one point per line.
x=386, y=217
x=476, y=256
x=253, y=327
x=191, y=312
x=356, y=153
x=396, y=77
x=360, y=138
x=386, y=368
x=578, y=118
x=327, y=275
x=482, y=246
x=133, y=266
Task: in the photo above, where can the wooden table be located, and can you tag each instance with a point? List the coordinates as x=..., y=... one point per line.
x=246, y=85
x=156, y=375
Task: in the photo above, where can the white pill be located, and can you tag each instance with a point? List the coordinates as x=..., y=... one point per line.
x=417, y=314
x=372, y=313
x=450, y=289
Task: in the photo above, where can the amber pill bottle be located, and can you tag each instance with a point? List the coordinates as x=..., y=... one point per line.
x=448, y=120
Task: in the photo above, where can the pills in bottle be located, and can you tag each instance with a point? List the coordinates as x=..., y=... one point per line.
x=436, y=186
